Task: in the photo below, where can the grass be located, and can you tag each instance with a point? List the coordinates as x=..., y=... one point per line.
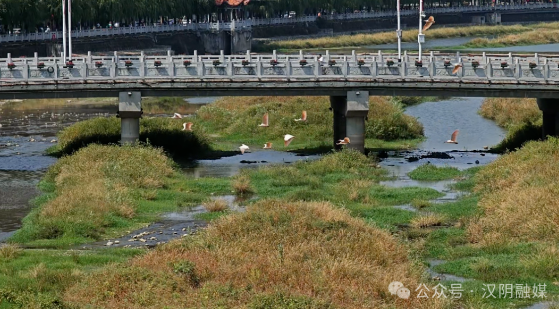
x=521, y=117
x=432, y=172
x=276, y=255
x=160, y=132
x=38, y=278
x=100, y=192
x=427, y=220
x=216, y=205
x=150, y=105
x=534, y=37
x=518, y=196
x=388, y=37
x=235, y=120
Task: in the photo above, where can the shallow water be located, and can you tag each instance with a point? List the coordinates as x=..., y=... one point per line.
x=22, y=162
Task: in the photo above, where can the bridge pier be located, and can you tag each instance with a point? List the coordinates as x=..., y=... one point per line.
x=550, y=110
x=350, y=112
x=129, y=112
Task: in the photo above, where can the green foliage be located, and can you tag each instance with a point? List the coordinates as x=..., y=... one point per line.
x=432, y=172
x=160, y=132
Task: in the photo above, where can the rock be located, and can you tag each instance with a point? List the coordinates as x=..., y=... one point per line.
x=382, y=154
x=152, y=238
x=132, y=239
x=160, y=232
x=117, y=242
x=485, y=147
x=53, y=141
x=32, y=140
x=110, y=243
x=184, y=235
x=477, y=162
x=412, y=159
x=142, y=240
x=175, y=233
x=248, y=162
x=482, y=154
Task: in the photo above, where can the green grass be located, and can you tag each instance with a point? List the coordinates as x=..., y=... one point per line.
x=102, y=191
x=159, y=132
x=38, y=278
x=432, y=172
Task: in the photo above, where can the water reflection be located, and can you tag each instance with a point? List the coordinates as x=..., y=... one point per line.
x=230, y=166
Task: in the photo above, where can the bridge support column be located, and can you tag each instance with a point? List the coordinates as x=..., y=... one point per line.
x=129, y=111
x=550, y=109
x=350, y=113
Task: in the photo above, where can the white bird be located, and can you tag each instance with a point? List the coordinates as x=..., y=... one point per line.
x=344, y=141
x=177, y=116
x=268, y=145
x=452, y=139
x=187, y=126
x=303, y=118
x=243, y=148
x=429, y=22
x=287, y=139
x=264, y=121
x=456, y=68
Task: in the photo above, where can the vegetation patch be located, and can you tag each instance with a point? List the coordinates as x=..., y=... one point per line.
x=388, y=37
x=519, y=196
x=160, y=132
x=276, y=254
x=235, y=120
x=521, y=117
x=432, y=172
x=102, y=191
x=38, y=278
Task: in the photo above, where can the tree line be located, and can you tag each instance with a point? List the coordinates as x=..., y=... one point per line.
x=29, y=15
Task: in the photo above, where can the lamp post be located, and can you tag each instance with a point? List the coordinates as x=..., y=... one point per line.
x=399, y=32
x=64, y=30
x=420, y=36
x=70, y=30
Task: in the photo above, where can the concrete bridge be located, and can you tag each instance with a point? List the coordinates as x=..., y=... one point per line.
x=348, y=79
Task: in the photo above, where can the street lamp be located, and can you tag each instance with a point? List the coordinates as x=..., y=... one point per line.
x=420, y=36
x=64, y=30
x=70, y=30
x=399, y=33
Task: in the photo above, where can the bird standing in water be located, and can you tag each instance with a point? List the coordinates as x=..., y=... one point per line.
x=264, y=121
x=452, y=139
x=177, y=116
x=243, y=148
x=429, y=22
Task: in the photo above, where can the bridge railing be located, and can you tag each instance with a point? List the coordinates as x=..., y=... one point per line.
x=260, y=22
x=451, y=67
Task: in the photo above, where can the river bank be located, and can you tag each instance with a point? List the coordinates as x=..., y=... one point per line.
x=286, y=200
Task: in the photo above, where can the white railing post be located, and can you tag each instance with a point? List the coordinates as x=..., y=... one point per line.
x=89, y=57
x=36, y=57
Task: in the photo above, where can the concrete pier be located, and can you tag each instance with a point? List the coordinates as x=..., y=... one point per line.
x=550, y=109
x=129, y=111
x=350, y=113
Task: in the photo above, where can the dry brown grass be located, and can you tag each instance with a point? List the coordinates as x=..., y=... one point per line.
x=96, y=184
x=427, y=220
x=216, y=205
x=388, y=37
x=241, y=184
x=9, y=251
x=508, y=112
x=275, y=254
x=519, y=196
x=537, y=36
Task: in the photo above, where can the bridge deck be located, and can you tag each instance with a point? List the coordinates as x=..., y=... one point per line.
x=273, y=74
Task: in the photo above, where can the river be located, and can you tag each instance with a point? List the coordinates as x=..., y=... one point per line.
x=26, y=134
